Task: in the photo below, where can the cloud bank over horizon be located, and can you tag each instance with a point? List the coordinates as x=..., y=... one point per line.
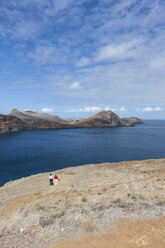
x=83, y=56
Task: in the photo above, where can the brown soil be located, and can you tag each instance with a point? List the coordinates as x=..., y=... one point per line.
x=126, y=234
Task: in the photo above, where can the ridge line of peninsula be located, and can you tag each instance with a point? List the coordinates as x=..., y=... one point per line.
x=28, y=120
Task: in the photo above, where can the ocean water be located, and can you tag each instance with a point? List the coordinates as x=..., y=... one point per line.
x=31, y=152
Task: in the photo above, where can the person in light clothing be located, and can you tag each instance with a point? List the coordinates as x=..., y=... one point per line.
x=56, y=180
x=51, y=179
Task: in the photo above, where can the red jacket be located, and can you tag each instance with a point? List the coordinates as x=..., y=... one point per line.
x=55, y=177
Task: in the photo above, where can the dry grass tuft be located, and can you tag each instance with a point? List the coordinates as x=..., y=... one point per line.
x=4, y=231
x=144, y=195
x=47, y=234
x=29, y=224
x=90, y=226
x=84, y=199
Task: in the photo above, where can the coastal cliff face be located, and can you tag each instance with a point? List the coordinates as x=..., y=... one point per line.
x=10, y=124
x=133, y=120
x=29, y=120
x=102, y=119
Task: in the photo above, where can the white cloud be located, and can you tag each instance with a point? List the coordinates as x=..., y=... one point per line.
x=96, y=108
x=158, y=109
x=86, y=109
x=47, y=110
x=112, y=109
x=26, y=30
x=58, y=5
x=61, y=4
x=126, y=30
x=83, y=62
x=75, y=86
x=46, y=55
x=157, y=63
x=150, y=109
x=122, y=109
x=114, y=51
x=107, y=108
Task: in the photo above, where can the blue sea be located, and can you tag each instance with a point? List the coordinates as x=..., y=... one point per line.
x=30, y=152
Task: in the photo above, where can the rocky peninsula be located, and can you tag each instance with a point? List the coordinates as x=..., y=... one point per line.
x=29, y=120
x=107, y=205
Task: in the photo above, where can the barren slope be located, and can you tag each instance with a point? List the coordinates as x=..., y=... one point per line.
x=87, y=201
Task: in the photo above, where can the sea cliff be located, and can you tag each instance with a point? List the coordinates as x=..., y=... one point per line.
x=29, y=120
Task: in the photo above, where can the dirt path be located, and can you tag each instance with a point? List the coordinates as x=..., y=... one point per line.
x=126, y=234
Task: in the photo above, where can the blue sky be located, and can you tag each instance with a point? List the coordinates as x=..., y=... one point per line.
x=75, y=58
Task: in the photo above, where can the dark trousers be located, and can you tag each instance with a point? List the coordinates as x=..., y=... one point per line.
x=51, y=181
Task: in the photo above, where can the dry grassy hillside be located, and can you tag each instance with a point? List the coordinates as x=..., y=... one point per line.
x=88, y=200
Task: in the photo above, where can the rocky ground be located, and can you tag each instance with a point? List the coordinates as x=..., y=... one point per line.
x=85, y=206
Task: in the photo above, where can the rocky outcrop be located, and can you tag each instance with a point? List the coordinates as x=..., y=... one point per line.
x=29, y=120
x=102, y=119
x=133, y=120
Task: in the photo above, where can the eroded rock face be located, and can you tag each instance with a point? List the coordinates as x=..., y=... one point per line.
x=28, y=120
x=10, y=124
x=102, y=119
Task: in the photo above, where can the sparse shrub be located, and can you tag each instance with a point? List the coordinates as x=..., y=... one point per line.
x=144, y=195
x=57, y=214
x=39, y=207
x=89, y=226
x=84, y=199
x=67, y=203
x=46, y=221
x=70, y=173
x=4, y=231
x=42, y=205
x=118, y=200
x=49, y=220
x=97, y=174
x=98, y=208
x=30, y=223
x=47, y=234
x=84, y=211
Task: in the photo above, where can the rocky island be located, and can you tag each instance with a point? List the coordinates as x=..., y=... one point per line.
x=109, y=205
x=29, y=120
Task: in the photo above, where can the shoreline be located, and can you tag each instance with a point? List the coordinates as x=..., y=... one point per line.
x=70, y=167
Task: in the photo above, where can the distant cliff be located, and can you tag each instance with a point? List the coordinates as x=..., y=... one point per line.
x=133, y=120
x=29, y=120
x=10, y=124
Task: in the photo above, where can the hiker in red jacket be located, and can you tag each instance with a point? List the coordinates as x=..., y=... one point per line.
x=56, y=180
